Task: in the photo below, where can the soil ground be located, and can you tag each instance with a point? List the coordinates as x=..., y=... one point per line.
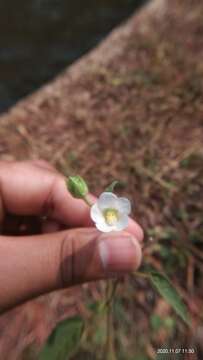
x=131, y=110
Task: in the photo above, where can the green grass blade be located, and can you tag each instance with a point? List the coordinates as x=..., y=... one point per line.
x=169, y=293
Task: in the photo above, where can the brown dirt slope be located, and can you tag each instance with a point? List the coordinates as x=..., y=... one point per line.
x=133, y=109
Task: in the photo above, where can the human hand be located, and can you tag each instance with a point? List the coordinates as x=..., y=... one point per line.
x=66, y=249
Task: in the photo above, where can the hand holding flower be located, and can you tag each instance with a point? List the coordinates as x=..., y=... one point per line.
x=65, y=248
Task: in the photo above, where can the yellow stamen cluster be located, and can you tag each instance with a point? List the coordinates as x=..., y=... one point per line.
x=111, y=216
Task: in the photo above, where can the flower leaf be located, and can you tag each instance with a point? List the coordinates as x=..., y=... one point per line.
x=77, y=187
x=111, y=187
x=169, y=293
x=63, y=341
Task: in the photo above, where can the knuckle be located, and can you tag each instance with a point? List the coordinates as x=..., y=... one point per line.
x=50, y=201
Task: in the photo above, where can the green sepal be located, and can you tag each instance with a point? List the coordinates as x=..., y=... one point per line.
x=77, y=187
x=111, y=187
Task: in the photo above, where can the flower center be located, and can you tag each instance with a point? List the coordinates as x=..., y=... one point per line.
x=111, y=216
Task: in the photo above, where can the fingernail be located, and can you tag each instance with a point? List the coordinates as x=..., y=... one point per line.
x=119, y=254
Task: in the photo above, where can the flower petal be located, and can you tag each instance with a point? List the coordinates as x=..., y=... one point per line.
x=102, y=226
x=107, y=200
x=95, y=213
x=124, y=206
x=122, y=223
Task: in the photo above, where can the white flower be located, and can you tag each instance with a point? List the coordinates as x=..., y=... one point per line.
x=110, y=213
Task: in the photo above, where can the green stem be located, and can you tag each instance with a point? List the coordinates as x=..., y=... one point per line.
x=110, y=353
x=86, y=200
x=140, y=274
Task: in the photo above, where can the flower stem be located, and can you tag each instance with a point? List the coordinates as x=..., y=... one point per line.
x=110, y=353
x=140, y=274
x=86, y=200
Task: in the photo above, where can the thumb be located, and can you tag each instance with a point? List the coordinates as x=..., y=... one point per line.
x=30, y=266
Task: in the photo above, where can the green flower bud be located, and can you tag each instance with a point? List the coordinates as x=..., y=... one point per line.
x=77, y=187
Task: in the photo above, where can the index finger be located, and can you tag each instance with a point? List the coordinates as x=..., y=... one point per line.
x=29, y=189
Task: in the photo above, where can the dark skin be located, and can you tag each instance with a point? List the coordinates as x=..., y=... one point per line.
x=60, y=246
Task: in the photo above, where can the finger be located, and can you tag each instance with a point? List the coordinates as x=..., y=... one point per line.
x=39, y=264
x=135, y=229
x=28, y=189
x=43, y=164
x=50, y=226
